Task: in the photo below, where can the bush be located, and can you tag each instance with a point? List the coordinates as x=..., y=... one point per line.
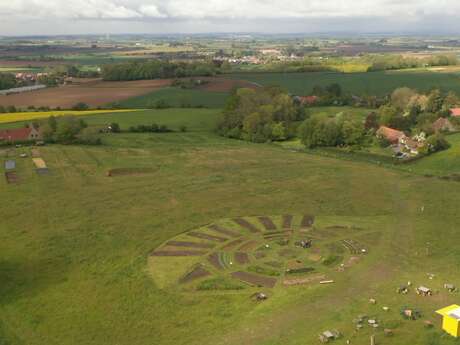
x=437, y=142
x=80, y=106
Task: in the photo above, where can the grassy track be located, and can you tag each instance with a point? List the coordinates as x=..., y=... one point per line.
x=74, y=244
x=376, y=83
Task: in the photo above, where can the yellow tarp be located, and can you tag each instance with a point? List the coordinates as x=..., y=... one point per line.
x=447, y=310
x=39, y=163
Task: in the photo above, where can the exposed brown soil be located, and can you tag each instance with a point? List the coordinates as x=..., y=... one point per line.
x=260, y=255
x=233, y=244
x=249, y=246
x=11, y=177
x=95, y=93
x=197, y=273
x=178, y=253
x=267, y=223
x=301, y=281
x=35, y=153
x=190, y=244
x=206, y=236
x=130, y=171
x=241, y=258
x=254, y=279
x=214, y=260
x=307, y=221
x=245, y=224
x=287, y=221
x=223, y=231
x=280, y=234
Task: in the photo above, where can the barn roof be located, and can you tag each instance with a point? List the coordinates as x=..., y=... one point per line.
x=19, y=134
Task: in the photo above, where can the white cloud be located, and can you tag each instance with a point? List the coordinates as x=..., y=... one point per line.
x=151, y=11
x=91, y=16
x=119, y=9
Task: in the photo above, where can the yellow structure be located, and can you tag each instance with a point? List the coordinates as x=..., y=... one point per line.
x=451, y=320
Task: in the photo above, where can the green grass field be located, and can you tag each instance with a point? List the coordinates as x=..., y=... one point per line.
x=75, y=244
x=193, y=119
x=442, y=163
x=376, y=83
x=176, y=97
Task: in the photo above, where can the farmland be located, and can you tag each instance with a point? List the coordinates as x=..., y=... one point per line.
x=12, y=119
x=94, y=93
x=374, y=83
x=87, y=252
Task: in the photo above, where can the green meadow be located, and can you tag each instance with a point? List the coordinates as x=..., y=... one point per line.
x=373, y=83
x=177, y=97
x=75, y=244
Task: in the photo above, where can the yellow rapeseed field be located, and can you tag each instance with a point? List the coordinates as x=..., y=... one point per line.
x=29, y=116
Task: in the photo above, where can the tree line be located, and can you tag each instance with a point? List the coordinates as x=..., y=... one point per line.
x=156, y=69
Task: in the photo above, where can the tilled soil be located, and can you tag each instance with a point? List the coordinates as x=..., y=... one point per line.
x=287, y=221
x=307, y=221
x=178, y=253
x=206, y=236
x=214, y=260
x=254, y=279
x=245, y=224
x=197, y=273
x=267, y=223
x=11, y=177
x=241, y=258
x=190, y=244
x=223, y=231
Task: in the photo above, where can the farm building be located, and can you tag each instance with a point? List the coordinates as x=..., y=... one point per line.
x=455, y=112
x=20, y=134
x=451, y=320
x=307, y=100
x=390, y=134
x=443, y=125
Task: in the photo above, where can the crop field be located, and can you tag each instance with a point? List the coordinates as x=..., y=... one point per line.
x=375, y=83
x=94, y=93
x=77, y=266
x=176, y=97
x=19, y=118
x=213, y=94
x=196, y=120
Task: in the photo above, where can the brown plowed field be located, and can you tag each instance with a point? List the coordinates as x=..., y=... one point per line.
x=190, y=244
x=287, y=221
x=206, y=236
x=198, y=272
x=307, y=221
x=245, y=224
x=94, y=93
x=267, y=223
x=241, y=258
x=223, y=231
x=178, y=253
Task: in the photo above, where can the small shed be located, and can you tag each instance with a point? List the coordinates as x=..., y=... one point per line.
x=424, y=291
x=10, y=165
x=451, y=320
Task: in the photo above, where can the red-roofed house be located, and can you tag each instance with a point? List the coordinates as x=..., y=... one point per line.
x=308, y=100
x=455, y=112
x=390, y=134
x=443, y=125
x=20, y=134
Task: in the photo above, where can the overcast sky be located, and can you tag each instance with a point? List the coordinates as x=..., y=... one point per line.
x=26, y=17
